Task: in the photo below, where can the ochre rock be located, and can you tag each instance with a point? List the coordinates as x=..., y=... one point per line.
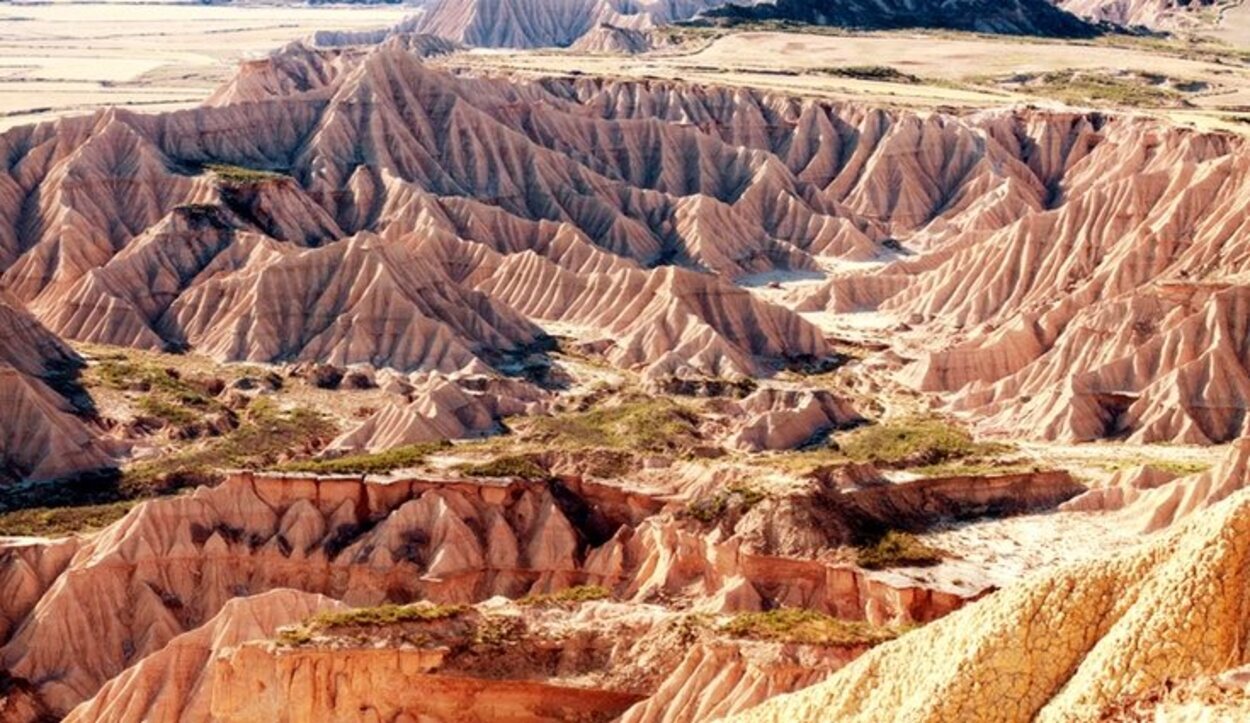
x=1061, y=646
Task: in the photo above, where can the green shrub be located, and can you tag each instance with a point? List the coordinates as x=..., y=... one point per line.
x=264, y=435
x=880, y=73
x=738, y=497
x=240, y=174
x=643, y=425
x=914, y=441
x=58, y=521
x=167, y=412
x=897, y=549
x=807, y=627
x=389, y=614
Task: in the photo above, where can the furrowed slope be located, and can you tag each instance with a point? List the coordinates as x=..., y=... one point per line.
x=44, y=433
x=1065, y=646
x=1088, y=265
x=1155, y=14
x=542, y=23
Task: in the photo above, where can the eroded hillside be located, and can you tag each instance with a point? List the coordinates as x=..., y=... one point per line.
x=430, y=393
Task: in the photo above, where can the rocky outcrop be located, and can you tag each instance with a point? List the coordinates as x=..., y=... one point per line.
x=389, y=684
x=1157, y=502
x=28, y=567
x=1066, y=645
x=716, y=679
x=589, y=661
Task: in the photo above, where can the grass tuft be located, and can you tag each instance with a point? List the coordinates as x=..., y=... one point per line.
x=915, y=441
x=642, y=425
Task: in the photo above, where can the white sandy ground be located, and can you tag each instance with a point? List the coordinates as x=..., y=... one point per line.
x=61, y=57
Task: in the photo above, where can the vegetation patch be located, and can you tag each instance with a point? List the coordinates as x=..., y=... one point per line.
x=1085, y=87
x=60, y=521
x=639, y=424
x=265, y=435
x=389, y=614
x=807, y=627
x=880, y=73
x=897, y=549
x=241, y=175
x=567, y=597
x=412, y=455
x=915, y=441
x=737, y=499
x=506, y=466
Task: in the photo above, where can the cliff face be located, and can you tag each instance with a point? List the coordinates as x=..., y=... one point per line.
x=109, y=601
x=592, y=661
x=388, y=685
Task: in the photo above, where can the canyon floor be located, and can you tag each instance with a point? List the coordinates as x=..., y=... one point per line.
x=759, y=375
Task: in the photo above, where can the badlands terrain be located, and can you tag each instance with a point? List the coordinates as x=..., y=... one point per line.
x=505, y=360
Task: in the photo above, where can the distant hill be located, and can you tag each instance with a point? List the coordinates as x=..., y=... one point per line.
x=1154, y=14
x=1015, y=17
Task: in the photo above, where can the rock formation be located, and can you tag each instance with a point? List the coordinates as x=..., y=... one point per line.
x=1067, y=645
x=543, y=200
x=786, y=419
x=543, y=23
x=440, y=408
x=612, y=40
